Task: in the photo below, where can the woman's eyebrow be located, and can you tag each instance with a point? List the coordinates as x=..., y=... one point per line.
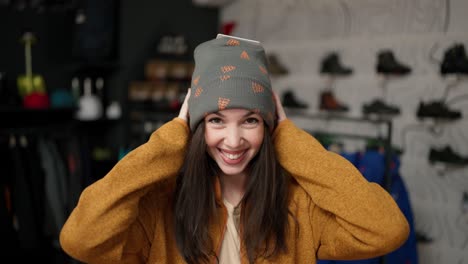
x=219, y=114
x=249, y=113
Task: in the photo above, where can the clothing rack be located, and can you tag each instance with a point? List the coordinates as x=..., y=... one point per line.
x=20, y=131
x=20, y=124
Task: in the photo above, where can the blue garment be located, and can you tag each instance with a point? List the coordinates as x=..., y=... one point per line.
x=353, y=157
x=372, y=166
x=407, y=253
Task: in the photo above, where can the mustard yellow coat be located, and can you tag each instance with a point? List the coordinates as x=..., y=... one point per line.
x=125, y=217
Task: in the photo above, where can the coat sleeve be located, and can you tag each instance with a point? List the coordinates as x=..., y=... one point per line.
x=109, y=223
x=352, y=218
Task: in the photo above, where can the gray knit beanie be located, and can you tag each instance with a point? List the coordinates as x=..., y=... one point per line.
x=230, y=73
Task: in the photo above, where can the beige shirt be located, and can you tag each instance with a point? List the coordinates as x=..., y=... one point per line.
x=230, y=249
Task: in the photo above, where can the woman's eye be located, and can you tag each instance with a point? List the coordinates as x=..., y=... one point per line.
x=215, y=120
x=251, y=121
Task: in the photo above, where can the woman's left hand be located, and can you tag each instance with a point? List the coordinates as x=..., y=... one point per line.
x=281, y=115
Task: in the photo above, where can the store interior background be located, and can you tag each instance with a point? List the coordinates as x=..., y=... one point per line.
x=299, y=33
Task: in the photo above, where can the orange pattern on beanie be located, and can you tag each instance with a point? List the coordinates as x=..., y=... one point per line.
x=223, y=103
x=244, y=55
x=257, y=88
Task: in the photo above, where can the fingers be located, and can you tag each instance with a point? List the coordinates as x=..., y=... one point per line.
x=183, y=114
x=279, y=108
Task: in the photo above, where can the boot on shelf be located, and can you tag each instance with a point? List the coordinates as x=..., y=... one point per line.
x=275, y=67
x=455, y=60
x=290, y=100
x=448, y=156
x=388, y=64
x=332, y=65
x=328, y=102
x=437, y=109
x=379, y=107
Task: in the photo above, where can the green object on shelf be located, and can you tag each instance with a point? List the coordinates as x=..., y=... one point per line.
x=29, y=82
x=102, y=153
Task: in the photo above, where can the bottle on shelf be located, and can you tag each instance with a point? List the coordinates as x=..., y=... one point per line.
x=90, y=105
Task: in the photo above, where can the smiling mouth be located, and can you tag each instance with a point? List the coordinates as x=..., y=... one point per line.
x=232, y=158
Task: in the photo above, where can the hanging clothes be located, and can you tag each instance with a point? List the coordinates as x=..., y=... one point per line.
x=27, y=187
x=71, y=152
x=8, y=235
x=55, y=188
x=40, y=184
x=407, y=253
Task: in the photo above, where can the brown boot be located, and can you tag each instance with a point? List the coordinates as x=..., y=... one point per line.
x=328, y=102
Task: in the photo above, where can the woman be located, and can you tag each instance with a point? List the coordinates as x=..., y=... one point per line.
x=232, y=180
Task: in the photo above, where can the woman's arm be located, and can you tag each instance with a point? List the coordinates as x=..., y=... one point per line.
x=111, y=223
x=355, y=218
x=352, y=218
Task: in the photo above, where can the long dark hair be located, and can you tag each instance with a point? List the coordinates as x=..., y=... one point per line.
x=264, y=220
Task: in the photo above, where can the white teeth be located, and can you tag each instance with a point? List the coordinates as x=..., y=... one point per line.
x=232, y=156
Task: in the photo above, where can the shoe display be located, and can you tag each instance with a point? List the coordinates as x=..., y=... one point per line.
x=172, y=45
x=447, y=155
x=331, y=64
x=290, y=101
x=379, y=107
x=328, y=102
x=455, y=60
x=388, y=64
x=437, y=109
x=275, y=67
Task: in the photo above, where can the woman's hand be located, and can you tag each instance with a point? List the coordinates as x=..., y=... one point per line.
x=183, y=114
x=281, y=115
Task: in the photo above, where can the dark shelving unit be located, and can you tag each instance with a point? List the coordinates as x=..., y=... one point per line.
x=18, y=117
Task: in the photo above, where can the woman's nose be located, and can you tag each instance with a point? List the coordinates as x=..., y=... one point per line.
x=233, y=137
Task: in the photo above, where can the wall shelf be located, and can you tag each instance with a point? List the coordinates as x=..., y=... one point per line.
x=17, y=117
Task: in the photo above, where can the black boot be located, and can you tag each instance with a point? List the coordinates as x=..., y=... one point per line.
x=331, y=65
x=290, y=101
x=379, y=107
x=275, y=67
x=455, y=60
x=436, y=109
x=388, y=64
x=447, y=155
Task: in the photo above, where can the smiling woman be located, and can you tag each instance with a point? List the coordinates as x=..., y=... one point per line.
x=232, y=102
x=232, y=180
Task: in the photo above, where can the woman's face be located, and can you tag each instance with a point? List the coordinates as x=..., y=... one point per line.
x=233, y=138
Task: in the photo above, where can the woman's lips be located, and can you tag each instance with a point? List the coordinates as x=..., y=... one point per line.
x=232, y=157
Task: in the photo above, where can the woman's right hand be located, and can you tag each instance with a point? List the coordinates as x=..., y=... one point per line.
x=183, y=114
